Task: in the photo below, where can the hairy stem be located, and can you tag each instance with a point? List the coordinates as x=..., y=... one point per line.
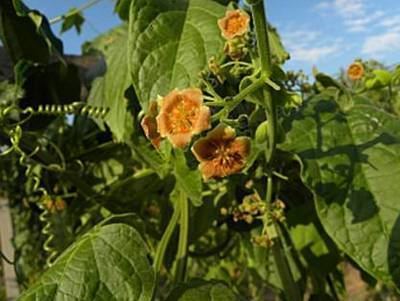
x=162, y=247
x=261, y=27
x=181, y=256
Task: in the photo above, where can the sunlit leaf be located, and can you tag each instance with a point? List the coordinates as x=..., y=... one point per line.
x=352, y=165
x=108, y=263
x=170, y=42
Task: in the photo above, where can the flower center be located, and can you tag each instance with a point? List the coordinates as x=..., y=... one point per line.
x=225, y=157
x=234, y=24
x=183, y=116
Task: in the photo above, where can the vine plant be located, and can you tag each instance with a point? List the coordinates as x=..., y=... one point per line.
x=198, y=168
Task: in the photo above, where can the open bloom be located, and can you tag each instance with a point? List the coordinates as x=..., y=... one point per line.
x=355, y=71
x=182, y=115
x=234, y=24
x=149, y=125
x=221, y=153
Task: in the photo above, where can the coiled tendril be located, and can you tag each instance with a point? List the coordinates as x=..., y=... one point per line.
x=78, y=108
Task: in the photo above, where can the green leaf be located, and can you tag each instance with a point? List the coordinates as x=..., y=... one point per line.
x=320, y=254
x=327, y=81
x=122, y=9
x=103, y=41
x=9, y=93
x=73, y=18
x=352, y=165
x=170, y=42
x=108, y=263
x=279, y=54
x=381, y=79
x=109, y=90
x=202, y=291
x=26, y=34
x=187, y=179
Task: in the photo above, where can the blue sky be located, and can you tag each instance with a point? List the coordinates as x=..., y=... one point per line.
x=327, y=33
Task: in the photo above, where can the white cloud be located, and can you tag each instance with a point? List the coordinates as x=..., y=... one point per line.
x=391, y=23
x=345, y=8
x=350, y=8
x=377, y=45
x=313, y=54
x=301, y=36
x=309, y=46
x=362, y=23
x=357, y=17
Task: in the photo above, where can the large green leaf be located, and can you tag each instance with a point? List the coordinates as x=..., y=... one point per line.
x=109, y=92
x=203, y=291
x=352, y=164
x=108, y=263
x=26, y=33
x=170, y=42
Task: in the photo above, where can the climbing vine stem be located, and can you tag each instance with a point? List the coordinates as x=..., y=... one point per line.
x=291, y=290
x=181, y=256
x=162, y=247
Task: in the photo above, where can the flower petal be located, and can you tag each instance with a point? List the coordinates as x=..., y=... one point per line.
x=204, y=149
x=203, y=120
x=163, y=124
x=180, y=140
x=222, y=132
x=241, y=146
x=194, y=95
x=208, y=170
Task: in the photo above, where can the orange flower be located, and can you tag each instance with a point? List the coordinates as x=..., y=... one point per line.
x=183, y=115
x=149, y=125
x=355, y=71
x=221, y=153
x=53, y=206
x=234, y=24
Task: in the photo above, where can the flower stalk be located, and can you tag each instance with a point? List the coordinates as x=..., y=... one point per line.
x=162, y=246
x=181, y=256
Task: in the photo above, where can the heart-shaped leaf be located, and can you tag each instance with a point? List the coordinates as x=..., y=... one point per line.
x=202, y=291
x=108, y=263
x=352, y=165
x=170, y=42
x=108, y=92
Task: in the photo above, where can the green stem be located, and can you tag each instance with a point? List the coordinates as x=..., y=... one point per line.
x=237, y=99
x=272, y=116
x=162, y=247
x=181, y=256
x=261, y=27
x=290, y=288
x=79, y=9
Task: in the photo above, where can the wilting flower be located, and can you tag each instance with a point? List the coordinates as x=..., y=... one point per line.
x=235, y=49
x=221, y=153
x=182, y=115
x=355, y=71
x=234, y=24
x=149, y=125
x=57, y=205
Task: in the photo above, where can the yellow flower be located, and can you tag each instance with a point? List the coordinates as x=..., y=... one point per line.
x=182, y=115
x=355, y=71
x=149, y=125
x=221, y=153
x=234, y=24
